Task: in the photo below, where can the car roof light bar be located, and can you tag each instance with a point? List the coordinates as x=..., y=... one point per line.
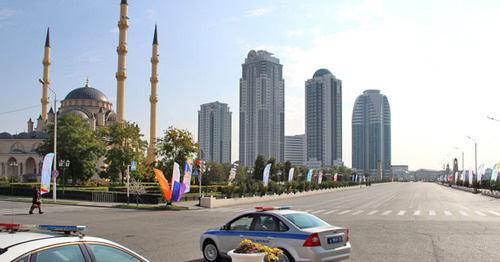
x=272, y=208
x=51, y=228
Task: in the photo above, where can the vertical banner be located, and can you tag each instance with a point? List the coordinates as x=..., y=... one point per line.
x=356, y=178
x=480, y=173
x=309, y=175
x=462, y=176
x=290, y=174
x=335, y=177
x=177, y=187
x=266, y=174
x=188, y=170
x=471, y=176
x=176, y=175
x=46, y=173
x=164, y=187
x=320, y=177
x=232, y=172
x=456, y=177
x=494, y=173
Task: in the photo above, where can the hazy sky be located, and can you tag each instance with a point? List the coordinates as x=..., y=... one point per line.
x=438, y=62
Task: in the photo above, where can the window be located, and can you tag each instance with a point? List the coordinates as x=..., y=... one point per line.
x=105, y=253
x=303, y=220
x=242, y=223
x=268, y=223
x=68, y=253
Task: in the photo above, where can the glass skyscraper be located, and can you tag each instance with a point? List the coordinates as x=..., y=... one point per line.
x=262, y=108
x=371, y=135
x=323, y=95
x=214, y=132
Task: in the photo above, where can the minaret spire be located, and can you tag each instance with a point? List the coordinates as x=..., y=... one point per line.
x=155, y=59
x=122, y=50
x=46, y=67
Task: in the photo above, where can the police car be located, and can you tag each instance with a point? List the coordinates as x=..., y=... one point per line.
x=301, y=236
x=40, y=243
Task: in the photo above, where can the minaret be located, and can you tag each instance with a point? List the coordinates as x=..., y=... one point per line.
x=155, y=59
x=122, y=53
x=46, y=66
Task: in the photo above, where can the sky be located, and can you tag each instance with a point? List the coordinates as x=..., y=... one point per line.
x=436, y=61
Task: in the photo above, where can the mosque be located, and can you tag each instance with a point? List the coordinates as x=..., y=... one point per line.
x=18, y=157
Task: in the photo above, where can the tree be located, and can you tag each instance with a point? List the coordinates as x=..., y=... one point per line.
x=258, y=170
x=76, y=142
x=176, y=145
x=124, y=146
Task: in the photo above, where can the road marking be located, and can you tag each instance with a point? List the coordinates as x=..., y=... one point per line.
x=495, y=213
x=308, y=210
x=386, y=213
x=318, y=211
x=357, y=212
x=448, y=213
x=416, y=213
x=344, y=212
x=463, y=213
x=480, y=213
x=432, y=213
x=331, y=211
x=401, y=213
x=373, y=212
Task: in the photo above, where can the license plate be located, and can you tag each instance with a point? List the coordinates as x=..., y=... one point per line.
x=333, y=240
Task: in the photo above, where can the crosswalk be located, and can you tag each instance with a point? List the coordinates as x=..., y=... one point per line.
x=352, y=212
x=46, y=209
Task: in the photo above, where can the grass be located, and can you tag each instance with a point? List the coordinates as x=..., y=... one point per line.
x=163, y=207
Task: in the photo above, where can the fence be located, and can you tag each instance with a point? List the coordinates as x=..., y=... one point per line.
x=103, y=197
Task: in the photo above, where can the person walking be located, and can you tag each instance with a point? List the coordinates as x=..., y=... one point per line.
x=37, y=201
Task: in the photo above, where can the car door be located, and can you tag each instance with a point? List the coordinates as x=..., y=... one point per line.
x=234, y=232
x=264, y=230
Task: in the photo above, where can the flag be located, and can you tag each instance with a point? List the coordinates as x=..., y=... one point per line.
x=176, y=175
x=266, y=174
x=188, y=170
x=309, y=175
x=177, y=188
x=471, y=175
x=320, y=177
x=494, y=173
x=480, y=173
x=335, y=177
x=165, y=188
x=232, y=172
x=46, y=173
x=290, y=174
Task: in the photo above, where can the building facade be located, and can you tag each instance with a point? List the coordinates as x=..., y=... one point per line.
x=262, y=108
x=323, y=97
x=214, y=132
x=295, y=149
x=371, y=135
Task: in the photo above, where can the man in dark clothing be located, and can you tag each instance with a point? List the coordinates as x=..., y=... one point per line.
x=37, y=201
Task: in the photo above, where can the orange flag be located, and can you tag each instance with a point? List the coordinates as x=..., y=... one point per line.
x=165, y=188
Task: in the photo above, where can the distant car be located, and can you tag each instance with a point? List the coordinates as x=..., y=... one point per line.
x=301, y=236
x=44, y=243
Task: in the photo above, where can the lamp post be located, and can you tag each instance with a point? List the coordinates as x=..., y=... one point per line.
x=462, y=157
x=55, y=135
x=492, y=118
x=475, y=153
x=64, y=164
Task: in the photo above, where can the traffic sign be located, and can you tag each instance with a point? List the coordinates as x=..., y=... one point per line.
x=55, y=173
x=133, y=166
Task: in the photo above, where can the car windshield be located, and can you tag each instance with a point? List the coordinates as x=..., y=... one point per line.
x=304, y=220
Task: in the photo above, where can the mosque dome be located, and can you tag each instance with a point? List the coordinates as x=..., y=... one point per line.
x=87, y=93
x=75, y=111
x=322, y=72
x=5, y=135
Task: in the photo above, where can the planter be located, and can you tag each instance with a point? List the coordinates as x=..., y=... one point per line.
x=245, y=257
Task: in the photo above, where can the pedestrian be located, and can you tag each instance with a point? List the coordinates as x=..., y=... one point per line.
x=37, y=201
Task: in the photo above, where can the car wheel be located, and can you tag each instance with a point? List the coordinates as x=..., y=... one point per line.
x=286, y=257
x=210, y=252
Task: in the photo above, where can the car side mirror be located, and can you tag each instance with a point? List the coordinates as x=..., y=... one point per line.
x=224, y=227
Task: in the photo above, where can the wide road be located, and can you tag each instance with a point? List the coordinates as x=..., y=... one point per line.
x=387, y=222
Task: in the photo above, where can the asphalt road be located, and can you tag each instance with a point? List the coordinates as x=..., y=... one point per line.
x=387, y=222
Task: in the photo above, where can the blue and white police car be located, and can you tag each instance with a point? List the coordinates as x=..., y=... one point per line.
x=54, y=243
x=301, y=235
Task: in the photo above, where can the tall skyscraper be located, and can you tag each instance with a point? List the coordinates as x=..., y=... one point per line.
x=371, y=135
x=324, y=119
x=262, y=108
x=294, y=149
x=214, y=132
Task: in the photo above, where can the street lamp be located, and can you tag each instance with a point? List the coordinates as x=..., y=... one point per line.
x=475, y=152
x=492, y=118
x=462, y=157
x=64, y=164
x=55, y=134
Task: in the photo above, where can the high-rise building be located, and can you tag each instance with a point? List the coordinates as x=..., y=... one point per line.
x=214, y=132
x=324, y=119
x=371, y=135
x=294, y=149
x=262, y=108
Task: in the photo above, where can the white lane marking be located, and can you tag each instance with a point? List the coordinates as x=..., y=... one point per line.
x=331, y=211
x=463, y=213
x=401, y=213
x=318, y=211
x=432, y=213
x=344, y=212
x=386, y=213
x=448, y=213
x=480, y=213
x=495, y=213
x=308, y=210
x=357, y=212
x=373, y=212
x=416, y=213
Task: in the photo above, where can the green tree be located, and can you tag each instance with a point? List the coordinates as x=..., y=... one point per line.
x=124, y=146
x=175, y=145
x=76, y=142
x=258, y=169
